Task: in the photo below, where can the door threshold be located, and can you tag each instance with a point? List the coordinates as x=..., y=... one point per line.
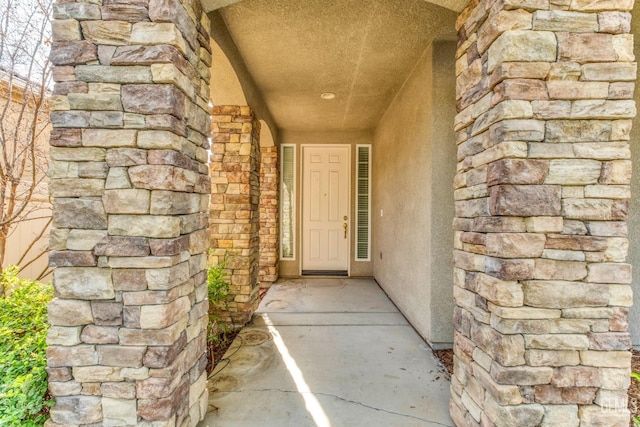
x=330, y=273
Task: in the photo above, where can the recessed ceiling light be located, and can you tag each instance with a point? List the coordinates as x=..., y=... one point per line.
x=328, y=95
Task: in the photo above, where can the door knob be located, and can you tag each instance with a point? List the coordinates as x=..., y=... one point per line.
x=345, y=229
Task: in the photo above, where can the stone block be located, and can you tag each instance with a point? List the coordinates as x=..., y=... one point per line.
x=63, y=335
x=65, y=30
x=92, y=170
x=521, y=375
x=71, y=259
x=107, y=313
x=75, y=410
x=92, y=334
x=162, y=357
x=168, y=247
x=576, y=376
x=552, y=357
x=510, y=269
x=594, y=415
x=612, y=399
x=517, y=415
x=573, y=172
x=606, y=359
x=70, y=119
x=583, y=47
x=163, y=315
x=119, y=412
x=153, y=99
x=79, y=11
x=155, y=33
x=158, y=337
x=84, y=187
x=173, y=203
x=565, y=415
x=549, y=394
x=120, y=390
x=558, y=294
x=595, y=209
x=609, y=341
x=66, y=312
x=161, y=177
x=525, y=200
x=88, y=283
x=94, y=101
x=508, y=350
x=522, y=46
x=126, y=157
x=609, y=273
x=515, y=245
x=59, y=374
x=110, y=33
x=78, y=355
x=144, y=226
x=121, y=356
x=73, y=52
x=117, y=178
x=517, y=171
x=108, y=138
x=162, y=409
x=67, y=388
x=560, y=20
x=127, y=201
x=559, y=270
x=97, y=374
x=557, y=342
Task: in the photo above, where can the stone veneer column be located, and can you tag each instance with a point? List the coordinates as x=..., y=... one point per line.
x=234, y=216
x=545, y=104
x=130, y=187
x=269, y=219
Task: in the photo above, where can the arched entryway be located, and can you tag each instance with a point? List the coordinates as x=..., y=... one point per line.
x=541, y=202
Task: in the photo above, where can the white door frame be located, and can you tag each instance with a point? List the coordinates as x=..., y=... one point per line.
x=300, y=228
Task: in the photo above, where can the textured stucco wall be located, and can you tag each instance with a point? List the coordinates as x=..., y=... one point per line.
x=443, y=167
x=413, y=169
x=356, y=268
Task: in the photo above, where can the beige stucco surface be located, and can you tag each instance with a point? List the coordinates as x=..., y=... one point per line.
x=356, y=268
x=412, y=203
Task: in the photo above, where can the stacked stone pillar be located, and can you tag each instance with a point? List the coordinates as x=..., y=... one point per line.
x=234, y=216
x=269, y=219
x=544, y=97
x=130, y=188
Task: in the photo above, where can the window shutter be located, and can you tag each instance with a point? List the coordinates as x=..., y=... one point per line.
x=363, y=203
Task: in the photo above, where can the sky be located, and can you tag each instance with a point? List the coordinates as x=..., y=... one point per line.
x=25, y=38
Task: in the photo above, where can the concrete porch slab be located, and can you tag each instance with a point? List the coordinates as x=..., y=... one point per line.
x=348, y=359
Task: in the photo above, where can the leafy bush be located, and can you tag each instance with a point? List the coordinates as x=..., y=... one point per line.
x=218, y=286
x=23, y=331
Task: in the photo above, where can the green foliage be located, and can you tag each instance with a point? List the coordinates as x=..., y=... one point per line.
x=23, y=331
x=218, y=286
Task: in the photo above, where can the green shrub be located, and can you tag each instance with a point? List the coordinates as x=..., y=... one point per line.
x=218, y=286
x=23, y=331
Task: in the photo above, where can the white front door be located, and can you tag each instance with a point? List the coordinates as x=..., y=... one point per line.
x=325, y=209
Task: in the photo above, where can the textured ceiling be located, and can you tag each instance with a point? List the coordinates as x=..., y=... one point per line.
x=363, y=50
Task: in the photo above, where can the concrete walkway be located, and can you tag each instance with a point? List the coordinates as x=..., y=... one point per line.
x=328, y=352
